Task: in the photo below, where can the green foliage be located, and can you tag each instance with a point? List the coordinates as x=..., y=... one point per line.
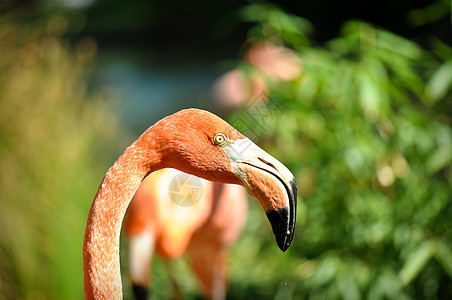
x=51, y=139
x=273, y=23
x=366, y=129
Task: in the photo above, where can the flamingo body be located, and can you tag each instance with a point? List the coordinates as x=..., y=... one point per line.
x=153, y=209
x=204, y=229
x=209, y=244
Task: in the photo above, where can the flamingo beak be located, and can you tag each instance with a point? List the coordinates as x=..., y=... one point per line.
x=270, y=182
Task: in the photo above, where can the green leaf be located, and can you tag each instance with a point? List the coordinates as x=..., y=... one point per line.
x=348, y=288
x=444, y=257
x=440, y=83
x=416, y=261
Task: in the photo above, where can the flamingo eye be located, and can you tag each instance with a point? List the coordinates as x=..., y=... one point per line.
x=219, y=139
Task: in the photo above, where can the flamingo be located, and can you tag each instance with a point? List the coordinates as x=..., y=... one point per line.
x=157, y=222
x=196, y=142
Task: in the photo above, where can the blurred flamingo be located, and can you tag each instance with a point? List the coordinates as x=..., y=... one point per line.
x=269, y=63
x=207, y=221
x=196, y=142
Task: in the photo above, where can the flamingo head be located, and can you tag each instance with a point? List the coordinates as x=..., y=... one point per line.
x=202, y=144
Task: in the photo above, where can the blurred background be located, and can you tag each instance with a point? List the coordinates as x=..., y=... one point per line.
x=364, y=95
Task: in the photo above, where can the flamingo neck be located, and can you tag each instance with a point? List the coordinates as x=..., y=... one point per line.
x=101, y=265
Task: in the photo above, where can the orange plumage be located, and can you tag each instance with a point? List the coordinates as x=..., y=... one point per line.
x=204, y=229
x=186, y=141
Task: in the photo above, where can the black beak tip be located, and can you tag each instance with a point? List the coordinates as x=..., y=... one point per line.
x=279, y=219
